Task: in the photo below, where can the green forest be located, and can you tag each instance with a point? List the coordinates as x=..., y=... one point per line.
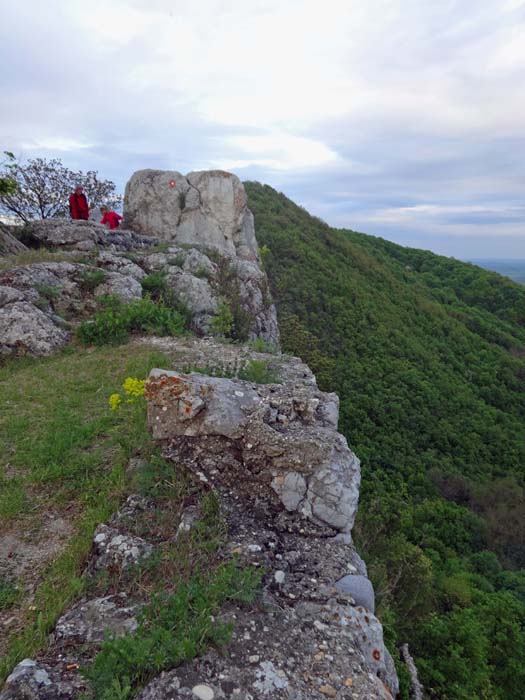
x=427, y=355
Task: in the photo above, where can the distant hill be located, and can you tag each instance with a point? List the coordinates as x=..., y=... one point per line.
x=515, y=269
x=428, y=356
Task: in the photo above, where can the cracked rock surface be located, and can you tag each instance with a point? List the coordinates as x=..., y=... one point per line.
x=274, y=440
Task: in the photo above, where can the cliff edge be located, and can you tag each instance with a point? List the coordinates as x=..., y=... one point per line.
x=267, y=452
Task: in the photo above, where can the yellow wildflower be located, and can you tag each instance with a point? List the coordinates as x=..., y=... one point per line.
x=134, y=387
x=114, y=401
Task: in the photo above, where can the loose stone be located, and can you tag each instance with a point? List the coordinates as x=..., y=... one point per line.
x=203, y=692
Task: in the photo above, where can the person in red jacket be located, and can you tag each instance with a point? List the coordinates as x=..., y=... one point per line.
x=78, y=205
x=110, y=217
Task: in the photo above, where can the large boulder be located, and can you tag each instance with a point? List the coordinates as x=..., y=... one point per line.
x=54, y=233
x=277, y=442
x=207, y=209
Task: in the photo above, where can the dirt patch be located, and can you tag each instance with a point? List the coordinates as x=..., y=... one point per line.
x=23, y=557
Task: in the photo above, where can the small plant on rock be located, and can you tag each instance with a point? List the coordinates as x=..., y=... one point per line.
x=48, y=292
x=174, y=628
x=261, y=345
x=177, y=260
x=223, y=322
x=91, y=279
x=155, y=285
x=258, y=371
x=202, y=272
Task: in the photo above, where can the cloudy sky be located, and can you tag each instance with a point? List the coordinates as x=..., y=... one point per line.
x=401, y=118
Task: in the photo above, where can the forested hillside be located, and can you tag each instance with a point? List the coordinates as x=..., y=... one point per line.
x=428, y=357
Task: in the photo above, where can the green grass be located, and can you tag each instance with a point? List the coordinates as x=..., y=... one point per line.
x=115, y=321
x=261, y=345
x=91, y=279
x=9, y=593
x=256, y=371
x=64, y=451
x=174, y=628
x=185, y=582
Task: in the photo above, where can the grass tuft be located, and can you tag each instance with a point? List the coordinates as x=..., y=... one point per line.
x=113, y=324
x=174, y=628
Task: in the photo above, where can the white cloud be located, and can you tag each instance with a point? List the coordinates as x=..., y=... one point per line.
x=382, y=90
x=277, y=151
x=57, y=143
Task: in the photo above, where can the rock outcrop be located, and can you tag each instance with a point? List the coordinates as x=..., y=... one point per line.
x=279, y=442
x=212, y=263
x=64, y=234
x=207, y=209
x=37, y=302
x=289, y=487
x=9, y=245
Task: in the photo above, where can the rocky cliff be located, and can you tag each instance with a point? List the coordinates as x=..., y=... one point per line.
x=286, y=482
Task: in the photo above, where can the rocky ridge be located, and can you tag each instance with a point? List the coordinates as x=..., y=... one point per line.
x=286, y=480
x=207, y=256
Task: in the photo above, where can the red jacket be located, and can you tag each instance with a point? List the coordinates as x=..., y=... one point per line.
x=111, y=218
x=78, y=206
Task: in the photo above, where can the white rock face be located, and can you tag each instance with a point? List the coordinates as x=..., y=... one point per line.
x=206, y=208
x=207, y=211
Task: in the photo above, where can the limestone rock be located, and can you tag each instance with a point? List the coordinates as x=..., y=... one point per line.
x=229, y=358
x=57, y=276
x=89, y=621
x=118, y=263
x=24, y=328
x=123, y=286
x=113, y=548
x=38, y=681
x=289, y=652
x=206, y=209
x=368, y=637
x=8, y=295
x=360, y=588
x=198, y=264
x=9, y=245
x=80, y=235
x=196, y=294
x=282, y=440
x=55, y=233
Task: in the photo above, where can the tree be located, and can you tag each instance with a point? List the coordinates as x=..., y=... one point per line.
x=7, y=184
x=40, y=188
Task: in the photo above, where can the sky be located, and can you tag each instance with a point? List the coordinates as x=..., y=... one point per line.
x=400, y=118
